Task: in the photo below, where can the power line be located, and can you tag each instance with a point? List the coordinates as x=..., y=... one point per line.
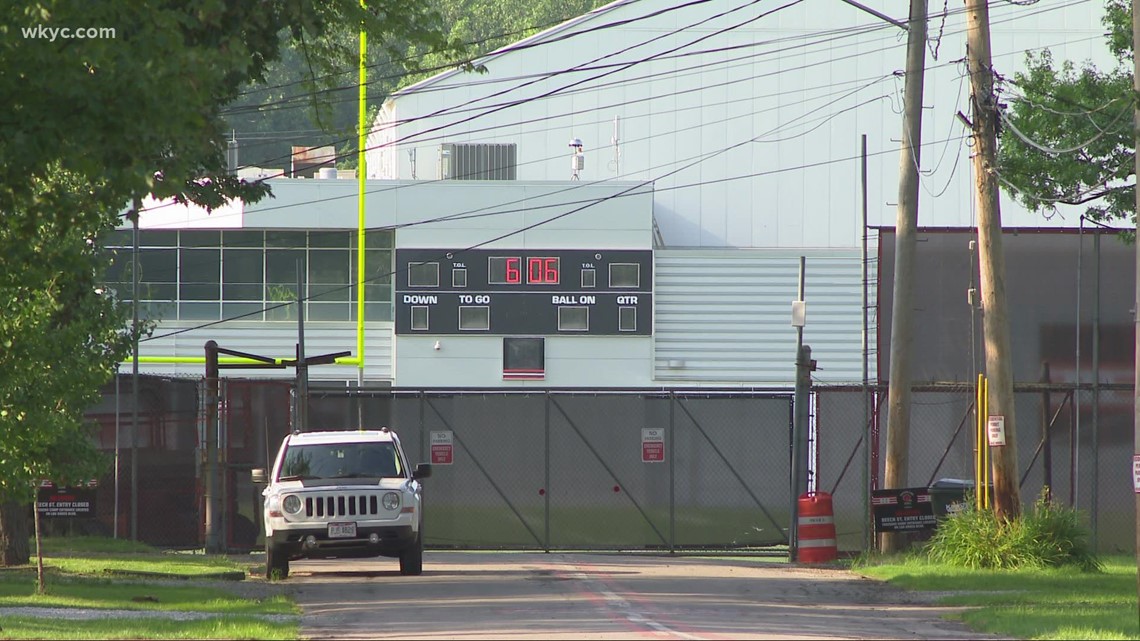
x=530, y=99
x=593, y=202
x=561, y=91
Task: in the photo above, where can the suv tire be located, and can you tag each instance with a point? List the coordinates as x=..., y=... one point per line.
x=276, y=563
x=412, y=559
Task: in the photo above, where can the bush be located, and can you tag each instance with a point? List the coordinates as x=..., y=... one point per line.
x=1049, y=536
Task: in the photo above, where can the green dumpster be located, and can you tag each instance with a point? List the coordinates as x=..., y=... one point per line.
x=948, y=496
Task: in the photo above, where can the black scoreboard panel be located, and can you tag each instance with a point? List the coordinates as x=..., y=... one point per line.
x=606, y=292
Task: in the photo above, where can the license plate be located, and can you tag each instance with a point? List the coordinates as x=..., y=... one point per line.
x=342, y=530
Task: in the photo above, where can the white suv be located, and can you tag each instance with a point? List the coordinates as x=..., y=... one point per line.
x=342, y=494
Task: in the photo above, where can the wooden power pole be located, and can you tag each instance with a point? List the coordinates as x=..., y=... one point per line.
x=1136, y=304
x=991, y=259
x=906, y=230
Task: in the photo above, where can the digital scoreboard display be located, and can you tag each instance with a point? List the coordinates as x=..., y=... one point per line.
x=524, y=291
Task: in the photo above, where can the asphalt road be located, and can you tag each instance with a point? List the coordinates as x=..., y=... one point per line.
x=474, y=595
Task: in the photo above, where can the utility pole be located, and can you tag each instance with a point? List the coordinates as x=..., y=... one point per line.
x=991, y=259
x=1136, y=302
x=800, y=419
x=906, y=229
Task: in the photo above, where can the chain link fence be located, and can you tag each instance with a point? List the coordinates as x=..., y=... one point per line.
x=1075, y=444
x=604, y=469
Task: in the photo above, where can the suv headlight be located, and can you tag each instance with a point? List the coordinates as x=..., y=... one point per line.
x=391, y=501
x=291, y=504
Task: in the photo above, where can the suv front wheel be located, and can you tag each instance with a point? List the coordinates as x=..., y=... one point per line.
x=276, y=563
x=412, y=559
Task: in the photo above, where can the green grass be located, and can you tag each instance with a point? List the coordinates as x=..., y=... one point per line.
x=34, y=628
x=110, y=574
x=1031, y=603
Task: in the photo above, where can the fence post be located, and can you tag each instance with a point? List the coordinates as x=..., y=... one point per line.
x=671, y=443
x=546, y=472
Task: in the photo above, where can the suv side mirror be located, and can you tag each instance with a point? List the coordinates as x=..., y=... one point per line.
x=258, y=475
x=422, y=471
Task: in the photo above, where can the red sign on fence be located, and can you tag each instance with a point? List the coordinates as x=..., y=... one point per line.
x=652, y=444
x=442, y=452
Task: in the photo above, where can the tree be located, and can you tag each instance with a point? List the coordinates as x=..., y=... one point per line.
x=1068, y=135
x=90, y=124
x=304, y=101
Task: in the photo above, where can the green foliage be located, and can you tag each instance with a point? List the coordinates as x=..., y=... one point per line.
x=1084, y=112
x=89, y=126
x=1049, y=536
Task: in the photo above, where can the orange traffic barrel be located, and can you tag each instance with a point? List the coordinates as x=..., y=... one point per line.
x=815, y=532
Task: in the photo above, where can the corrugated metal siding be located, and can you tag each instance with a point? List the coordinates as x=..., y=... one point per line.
x=725, y=315
x=278, y=339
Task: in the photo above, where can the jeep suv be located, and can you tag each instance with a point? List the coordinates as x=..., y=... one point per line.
x=342, y=494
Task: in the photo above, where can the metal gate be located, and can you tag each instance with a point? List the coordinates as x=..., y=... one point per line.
x=573, y=470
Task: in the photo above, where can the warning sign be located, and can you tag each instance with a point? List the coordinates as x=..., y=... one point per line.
x=652, y=444
x=996, y=430
x=66, y=502
x=442, y=451
x=902, y=510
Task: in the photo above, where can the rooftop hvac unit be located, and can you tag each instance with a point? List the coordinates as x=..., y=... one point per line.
x=477, y=161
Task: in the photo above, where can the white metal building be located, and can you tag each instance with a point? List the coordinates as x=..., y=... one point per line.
x=720, y=138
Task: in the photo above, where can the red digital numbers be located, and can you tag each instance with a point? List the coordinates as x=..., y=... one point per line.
x=542, y=270
x=508, y=270
x=514, y=274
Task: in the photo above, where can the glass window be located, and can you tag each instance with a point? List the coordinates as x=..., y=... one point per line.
x=318, y=311
x=243, y=239
x=243, y=292
x=459, y=277
x=242, y=311
x=342, y=460
x=423, y=274
x=199, y=311
x=377, y=238
x=474, y=317
x=158, y=238
x=627, y=319
x=243, y=274
x=419, y=317
x=573, y=319
x=199, y=274
x=281, y=265
x=292, y=239
x=589, y=278
x=329, y=275
x=200, y=238
x=331, y=239
x=329, y=266
x=158, y=265
x=625, y=275
x=372, y=311
x=118, y=238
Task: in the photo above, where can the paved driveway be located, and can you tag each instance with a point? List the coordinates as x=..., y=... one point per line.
x=473, y=595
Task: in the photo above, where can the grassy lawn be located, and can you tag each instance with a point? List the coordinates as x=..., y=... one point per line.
x=109, y=574
x=1028, y=604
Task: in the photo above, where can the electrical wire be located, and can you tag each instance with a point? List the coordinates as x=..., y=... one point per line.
x=1054, y=150
x=528, y=100
x=593, y=202
x=393, y=143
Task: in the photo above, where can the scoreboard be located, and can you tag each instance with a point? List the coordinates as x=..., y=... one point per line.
x=606, y=292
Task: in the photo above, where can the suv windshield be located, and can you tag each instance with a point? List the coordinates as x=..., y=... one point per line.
x=341, y=461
